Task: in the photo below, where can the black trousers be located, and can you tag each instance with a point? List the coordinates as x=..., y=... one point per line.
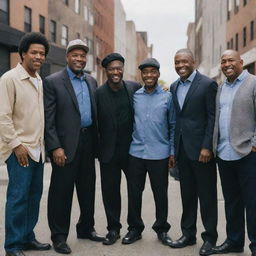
x=80, y=173
x=111, y=174
x=238, y=180
x=198, y=181
x=158, y=175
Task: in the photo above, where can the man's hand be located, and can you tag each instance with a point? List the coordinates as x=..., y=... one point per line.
x=22, y=155
x=205, y=155
x=253, y=149
x=172, y=162
x=59, y=157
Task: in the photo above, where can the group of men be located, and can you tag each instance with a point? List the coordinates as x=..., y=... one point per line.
x=136, y=129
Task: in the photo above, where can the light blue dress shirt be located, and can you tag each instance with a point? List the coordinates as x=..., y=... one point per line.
x=183, y=88
x=83, y=97
x=225, y=150
x=154, y=124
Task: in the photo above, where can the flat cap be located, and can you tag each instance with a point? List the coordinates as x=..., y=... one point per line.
x=149, y=62
x=77, y=44
x=111, y=57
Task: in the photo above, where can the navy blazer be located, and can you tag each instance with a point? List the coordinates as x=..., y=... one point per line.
x=195, y=121
x=62, y=115
x=107, y=119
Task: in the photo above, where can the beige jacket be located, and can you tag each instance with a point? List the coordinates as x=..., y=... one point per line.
x=21, y=113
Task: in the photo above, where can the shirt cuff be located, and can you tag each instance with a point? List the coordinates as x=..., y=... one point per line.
x=14, y=143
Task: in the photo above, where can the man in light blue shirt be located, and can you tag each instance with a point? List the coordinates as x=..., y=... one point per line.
x=151, y=150
x=234, y=143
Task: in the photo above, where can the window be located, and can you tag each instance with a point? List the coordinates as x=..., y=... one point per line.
x=229, y=8
x=27, y=19
x=77, y=6
x=236, y=5
x=244, y=37
x=42, y=24
x=4, y=11
x=237, y=42
x=228, y=45
x=252, y=30
x=53, y=31
x=86, y=13
x=78, y=35
x=65, y=2
x=231, y=43
x=245, y=2
x=64, y=35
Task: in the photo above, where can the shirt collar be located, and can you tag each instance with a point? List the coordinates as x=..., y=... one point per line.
x=23, y=74
x=240, y=78
x=189, y=79
x=72, y=75
x=158, y=89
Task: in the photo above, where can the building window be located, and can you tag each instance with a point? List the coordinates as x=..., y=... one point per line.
x=86, y=13
x=252, y=30
x=65, y=2
x=245, y=2
x=4, y=11
x=27, y=19
x=64, y=35
x=244, y=37
x=53, y=31
x=78, y=35
x=42, y=24
x=231, y=43
x=236, y=5
x=237, y=42
x=229, y=8
x=228, y=45
x=77, y=6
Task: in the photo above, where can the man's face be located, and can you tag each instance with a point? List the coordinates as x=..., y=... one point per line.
x=184, y=65
x=76, y=60
x=150, y=76
x=231, y=65
x=114, y=71
x=33, y=58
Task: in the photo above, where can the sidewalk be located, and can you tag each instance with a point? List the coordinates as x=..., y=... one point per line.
x=148, y=246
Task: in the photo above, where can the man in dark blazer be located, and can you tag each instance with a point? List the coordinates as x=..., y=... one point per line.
x=115, y=119
x=71, y=140
x=194, y=98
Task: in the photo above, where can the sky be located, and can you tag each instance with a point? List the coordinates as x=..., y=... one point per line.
x=166, y=22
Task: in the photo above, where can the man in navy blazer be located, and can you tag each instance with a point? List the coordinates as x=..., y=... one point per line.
x=71, y=140
x=194, y=99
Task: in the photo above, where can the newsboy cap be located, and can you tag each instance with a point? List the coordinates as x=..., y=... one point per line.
x=149, y=62
x=111, y=57
x=77, y=44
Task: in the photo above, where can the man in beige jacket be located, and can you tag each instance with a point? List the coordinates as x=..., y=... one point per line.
x=22, y=144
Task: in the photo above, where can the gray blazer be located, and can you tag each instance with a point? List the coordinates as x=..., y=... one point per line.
x=243, y=117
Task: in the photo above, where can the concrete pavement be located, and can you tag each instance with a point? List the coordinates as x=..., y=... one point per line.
x=147, y=246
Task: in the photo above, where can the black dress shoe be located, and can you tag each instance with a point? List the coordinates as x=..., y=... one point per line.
x=93, y=236
x=61, y=247
x=206, y=248
x=182, y=242
x=131, y=237
x=164, y=238
x=226, y=247
x=36, y=246
x=111, y=237
x=17, y=253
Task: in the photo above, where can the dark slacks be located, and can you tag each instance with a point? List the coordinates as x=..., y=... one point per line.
x=81, y=174
x=111, y=174
x=198, y=181
x=158, y=175
x=238, y=180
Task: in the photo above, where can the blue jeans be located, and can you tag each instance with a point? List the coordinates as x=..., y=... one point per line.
x=22, y=205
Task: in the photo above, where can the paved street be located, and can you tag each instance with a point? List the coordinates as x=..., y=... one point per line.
x=149, y=245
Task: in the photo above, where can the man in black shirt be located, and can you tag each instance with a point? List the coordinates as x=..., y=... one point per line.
x=115, y=119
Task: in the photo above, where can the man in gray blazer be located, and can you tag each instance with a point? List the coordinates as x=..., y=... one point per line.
x=235, y=145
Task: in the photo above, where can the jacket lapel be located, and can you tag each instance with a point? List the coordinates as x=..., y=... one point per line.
x=175, y=98
x=192, y=88
x=70, y=89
